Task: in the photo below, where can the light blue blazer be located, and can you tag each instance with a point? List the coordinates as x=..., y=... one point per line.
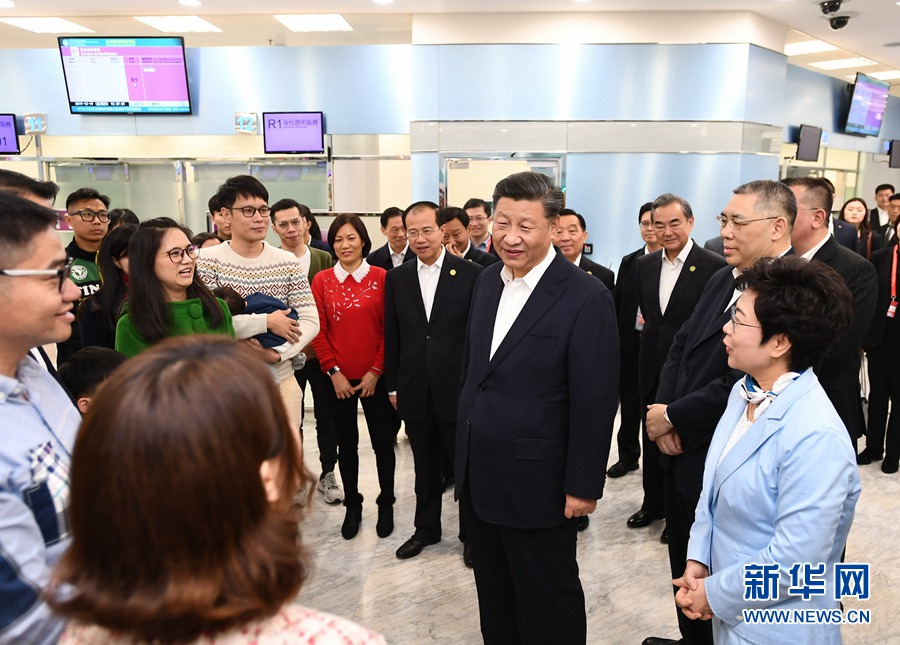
x=784, y=493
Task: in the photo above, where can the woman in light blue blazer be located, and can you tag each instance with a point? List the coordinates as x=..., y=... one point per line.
x=780, y=483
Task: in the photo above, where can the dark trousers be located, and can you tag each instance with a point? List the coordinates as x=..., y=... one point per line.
x=679, y=519
x=322, y=395
x=884, y=386
x=432, y=443
x=377, y=409
x=652, y=472
x=628, y=436
x=527, y=582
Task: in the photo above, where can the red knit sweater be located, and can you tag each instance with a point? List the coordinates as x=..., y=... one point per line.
x=351, y=317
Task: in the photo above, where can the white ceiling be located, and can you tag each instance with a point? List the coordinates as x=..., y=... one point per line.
x=873, y=33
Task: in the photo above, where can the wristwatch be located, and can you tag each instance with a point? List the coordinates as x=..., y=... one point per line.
x=334, y=370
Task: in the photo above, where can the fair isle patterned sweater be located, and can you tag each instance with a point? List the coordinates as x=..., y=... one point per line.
x=274, y=272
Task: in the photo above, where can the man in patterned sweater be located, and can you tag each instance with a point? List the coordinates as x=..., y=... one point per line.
x=248, y=264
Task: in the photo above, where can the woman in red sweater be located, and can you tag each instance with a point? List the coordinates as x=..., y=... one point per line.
x=350, y=347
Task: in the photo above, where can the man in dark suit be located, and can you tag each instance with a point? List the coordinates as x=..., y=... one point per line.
x=396, y=251
x=838, y=371
x=426, y=308
x=878, y=216
x=845, y=234
x=536, y=411
x=715, y=245
x=455, y=224
x=696, y=380
x=631, y=323
x=888, y=231
x=571, y=234
x=479, y=212
x=670, y=282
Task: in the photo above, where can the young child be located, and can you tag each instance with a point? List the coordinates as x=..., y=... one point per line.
x=85, y=371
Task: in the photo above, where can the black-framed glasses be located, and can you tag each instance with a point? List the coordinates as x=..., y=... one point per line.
x=737, y=223
x=62, y=273
x=177, y=255
x=87, y=215
x=250, y=211
x=735, y=322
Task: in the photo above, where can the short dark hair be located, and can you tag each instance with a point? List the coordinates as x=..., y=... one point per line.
x=669, y=198
x=569, y=211
x=172, y=532
x=203, y=237
x=240, y=186
x=234, y=300
x=107, y=302
x=532, y=187
x=894, y=197
x=215, y=204
x=450, y=213
x=817, y=192
x=391, y=211
x=645, y=208
x=806, y=301
x=121, y=216
x=415, y=206
x=23, y=185
x=283, y=205
x=772, y=197
x=85, y=194
x=353, y=220
x=86, y=369
x=21, y=221
x=881, y=187
x=474, y=202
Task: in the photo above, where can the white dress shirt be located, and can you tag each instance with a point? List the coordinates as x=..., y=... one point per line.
x=397, y=258
x=812, y=252
x=516, y=292
x=428, y=281
x=669, y=272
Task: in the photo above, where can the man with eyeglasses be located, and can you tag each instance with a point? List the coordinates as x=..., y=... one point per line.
x=38, y=419
x=838, y=371
x=696, y=381
x=87, y=214
x=479, y=212
x=426, y=307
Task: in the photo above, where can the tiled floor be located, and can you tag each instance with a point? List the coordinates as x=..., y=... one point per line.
x=431, y=598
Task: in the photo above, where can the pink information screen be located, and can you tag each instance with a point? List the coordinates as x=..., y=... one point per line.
x=9, y=136
x=293, y=132
x=125, y=75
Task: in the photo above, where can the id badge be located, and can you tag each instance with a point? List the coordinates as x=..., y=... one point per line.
x=892, y=310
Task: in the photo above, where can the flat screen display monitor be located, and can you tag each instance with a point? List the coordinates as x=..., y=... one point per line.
x=293, y=132
x=867, y=105
x=894, y=154
x=125, y=75
x=808, y=143
x=9, y=135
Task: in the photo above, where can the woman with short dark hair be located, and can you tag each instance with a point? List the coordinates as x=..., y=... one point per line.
x=182, y=527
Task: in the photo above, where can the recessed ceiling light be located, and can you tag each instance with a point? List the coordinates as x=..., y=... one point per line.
x=314, y=22
x=843, y=63
x=886, y=76
x=178, y=24
x=47, y=25
x=808, y=47
x=7, y=4
x=190, y=3
x=384, y=1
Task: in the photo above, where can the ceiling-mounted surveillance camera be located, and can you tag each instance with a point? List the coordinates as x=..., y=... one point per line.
x=830, y=6
x=839, y=22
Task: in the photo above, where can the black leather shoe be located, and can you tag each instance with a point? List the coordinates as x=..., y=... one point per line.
x=655, y=640
x=621, y=468
x=413, y=547
x=890, y=465
x=582, y=522
x=865, y=458
x=641, y=519
x=664, y=538
x=467, y=554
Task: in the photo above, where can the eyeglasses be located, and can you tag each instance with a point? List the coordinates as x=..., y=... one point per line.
x=285, y=224
x=427, y=232
x=62, y=274
x=737, y=223
x=249, y=211
x=177, y=255
x=734, y=322
x=478, y=218
x=647, y=224
x=87, y=215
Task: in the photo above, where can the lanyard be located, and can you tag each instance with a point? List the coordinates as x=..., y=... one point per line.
x=892, y=308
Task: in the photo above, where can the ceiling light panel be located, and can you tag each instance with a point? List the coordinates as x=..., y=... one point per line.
x=892, y=75
x=314, y=22
x=47, y=25
x=808, y=47
x=843, y=63
x=178, y=24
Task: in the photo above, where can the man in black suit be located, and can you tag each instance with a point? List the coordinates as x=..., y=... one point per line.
x=670, y=282
x=878, y=216
x=479, y=212
x=889, y=230
x=396, y=251
x=696, y=380
x=455, y=222
x=536, y=411
x=838, y=371
x=426, y=308
x=631, y=323
x=571, y=234
x=715, y=245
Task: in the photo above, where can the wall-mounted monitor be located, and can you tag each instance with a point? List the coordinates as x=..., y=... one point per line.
x=894, y=154
x=293, y=132
x=9, y=135
x=808, y=143
x=867, y=105
x=125, y=75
